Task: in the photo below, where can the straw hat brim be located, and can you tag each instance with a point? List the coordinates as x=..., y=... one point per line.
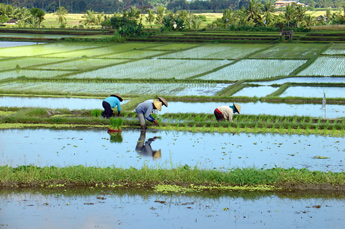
x=165, y=103
x=157, y=104
x=238, y=107
x=118, y=96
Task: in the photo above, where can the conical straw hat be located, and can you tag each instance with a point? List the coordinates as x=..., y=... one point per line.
x=118, y=96
x=238, y=107
x=165, y=103
x=157, y=104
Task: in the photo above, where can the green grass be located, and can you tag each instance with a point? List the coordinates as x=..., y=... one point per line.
x=277, y=178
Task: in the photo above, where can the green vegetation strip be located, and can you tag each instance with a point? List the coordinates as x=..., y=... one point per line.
x=181, y=179
x=192, y=122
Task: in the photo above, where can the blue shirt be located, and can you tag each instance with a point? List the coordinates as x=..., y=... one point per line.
x=146, y=109
x=114, y=102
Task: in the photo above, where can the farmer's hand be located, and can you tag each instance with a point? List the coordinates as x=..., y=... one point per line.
x=155, y=121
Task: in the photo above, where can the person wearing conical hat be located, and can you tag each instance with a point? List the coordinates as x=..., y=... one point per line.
x=111, y=102
x=226, y=112
x=145, y=109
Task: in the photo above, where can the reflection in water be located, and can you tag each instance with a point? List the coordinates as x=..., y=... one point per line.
x=106, y=208
x=115, y=137
x=145, y=149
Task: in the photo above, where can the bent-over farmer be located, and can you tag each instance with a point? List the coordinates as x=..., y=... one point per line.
x=226, y=112
x=145, y=109
x=111, y=102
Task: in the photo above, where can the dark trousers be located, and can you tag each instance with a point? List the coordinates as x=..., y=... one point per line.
x=219, y=116
x=108, y=112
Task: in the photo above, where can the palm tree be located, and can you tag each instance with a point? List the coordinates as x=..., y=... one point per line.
x=268, y=8
x=89, y=17
x=254, y=9
x=289, y=13
x=150, y=17
x=61, y=12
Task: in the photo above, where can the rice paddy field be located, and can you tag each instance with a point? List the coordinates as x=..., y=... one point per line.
x=288, y=136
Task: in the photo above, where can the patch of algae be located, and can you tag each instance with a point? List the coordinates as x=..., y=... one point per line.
x=200, y=188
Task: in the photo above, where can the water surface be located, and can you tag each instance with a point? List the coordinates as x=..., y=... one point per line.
x=260, y=108
x=119, y=209
x=133, y=148
x=53, y=103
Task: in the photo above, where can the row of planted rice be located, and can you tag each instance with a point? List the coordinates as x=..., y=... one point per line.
x=228, y=62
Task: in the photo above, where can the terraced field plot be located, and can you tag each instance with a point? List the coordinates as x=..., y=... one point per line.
x=177, y=89
x=7, y=64
x=82, y=64
x=101, y=50
x=335, y=49
x=44, y=49
x=256, y=91
x=326, y=66
x=172, y=47
x=7, y=44
x=25, y=35
x=217, y=51
x=303, y=80
x=155, y=69
x=254, y=69
x=134, y=54
x=315, y=92
x=290, y=51
x=31, y=73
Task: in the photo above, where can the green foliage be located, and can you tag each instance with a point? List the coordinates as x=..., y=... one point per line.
x=116, y=137
x=3, y=19
x=96, y=113
x=126, y=27
x=116, y=123
x=38, y=14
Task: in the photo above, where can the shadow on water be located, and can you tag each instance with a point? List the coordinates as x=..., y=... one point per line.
x=133, y=208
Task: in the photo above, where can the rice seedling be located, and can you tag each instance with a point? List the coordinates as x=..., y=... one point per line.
x=116, y=123
x=254, y=69
x=154, y=69
x=36, y=50
x=31, y=74
x=96, y=113
x=218, y=51
x=325, y=66
x=290, y=51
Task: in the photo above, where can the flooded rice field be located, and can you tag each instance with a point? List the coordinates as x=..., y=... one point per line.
x=53, y=103
x=169, y=149
x=260, y=108
x=261, y=91
x=130, y=209
x=7, y=44
x=303, y=80
x=315, y=92
x=249, y=108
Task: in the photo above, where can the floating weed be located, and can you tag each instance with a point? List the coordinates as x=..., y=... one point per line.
x=321, y=157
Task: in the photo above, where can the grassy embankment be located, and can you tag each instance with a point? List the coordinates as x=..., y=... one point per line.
x=182, y=179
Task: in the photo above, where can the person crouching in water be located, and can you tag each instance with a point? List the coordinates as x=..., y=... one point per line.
x=145, y=109
x=226, y=112
x=111, y=102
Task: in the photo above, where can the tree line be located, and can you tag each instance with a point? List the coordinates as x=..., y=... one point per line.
x=110, y=6
x=254, y=16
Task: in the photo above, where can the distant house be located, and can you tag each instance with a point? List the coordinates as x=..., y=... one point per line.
x=12, y=21
x=282, y=3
